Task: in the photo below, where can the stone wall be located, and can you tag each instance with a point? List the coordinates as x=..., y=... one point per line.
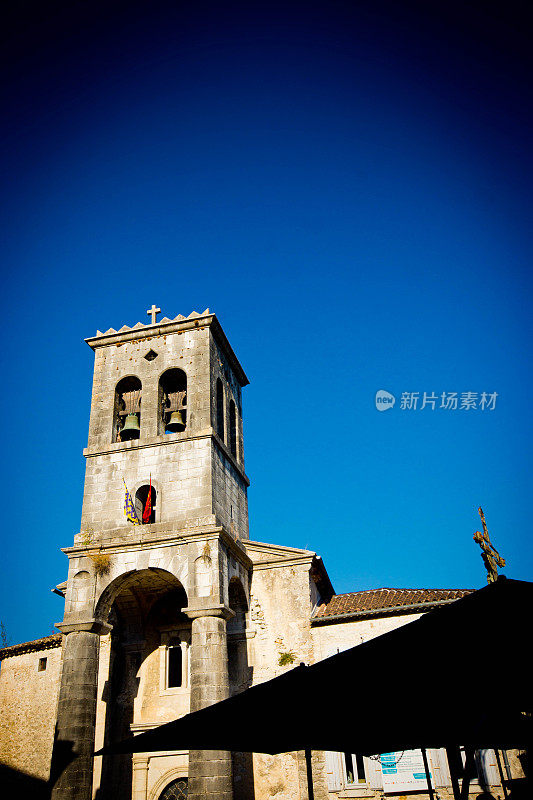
x=197, y=479
x=28, y=702
x=279, y=623
x=280, y=609
x=162, y=769
x=331, y=638
x=180, y=463
x=187, y=350
x=230, y=501
x=181, y=475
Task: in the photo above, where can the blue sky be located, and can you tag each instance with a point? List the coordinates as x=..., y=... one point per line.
x=347, y=185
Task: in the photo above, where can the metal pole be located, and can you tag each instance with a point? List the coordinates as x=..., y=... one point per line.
x=310, y=792
x=453, y=774
x=469, y=771
x=500, y=769
x=428, y=775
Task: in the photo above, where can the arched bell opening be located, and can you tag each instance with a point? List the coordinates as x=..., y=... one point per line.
x=145, y=608
x=220, y=408
x=233, y=428
x=127, y=409
x=172, y=401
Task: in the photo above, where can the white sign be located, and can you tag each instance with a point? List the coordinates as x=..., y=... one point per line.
x=403, y=771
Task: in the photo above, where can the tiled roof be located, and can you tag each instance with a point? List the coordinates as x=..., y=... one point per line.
x=385, y=601
x=46, y=643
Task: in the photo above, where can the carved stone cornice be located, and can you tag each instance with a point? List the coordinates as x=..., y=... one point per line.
x=90, y=625
x=212, y=610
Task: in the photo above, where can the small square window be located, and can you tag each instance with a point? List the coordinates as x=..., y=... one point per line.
x=355, y=768
x=174, y=662
x=42, y=665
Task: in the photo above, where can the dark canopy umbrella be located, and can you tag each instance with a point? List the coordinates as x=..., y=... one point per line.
x=460, y=675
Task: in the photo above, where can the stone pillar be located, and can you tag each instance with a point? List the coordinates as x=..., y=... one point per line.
x=141, y=764
x=71, y=773
x=210, y=774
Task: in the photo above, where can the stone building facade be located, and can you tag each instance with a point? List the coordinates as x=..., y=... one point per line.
x=183, y=609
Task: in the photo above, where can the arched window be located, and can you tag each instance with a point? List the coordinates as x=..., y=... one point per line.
x=127, y=412
x=220, y=409
x=145, y=508
x=233, y=429
x=177, y=790
x=173, y=401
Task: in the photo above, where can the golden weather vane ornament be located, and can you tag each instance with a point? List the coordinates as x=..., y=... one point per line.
x=491, y=558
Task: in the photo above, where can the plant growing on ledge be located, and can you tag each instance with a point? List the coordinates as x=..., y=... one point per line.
x=102, y=563
x=87, y=537
x=286, y=658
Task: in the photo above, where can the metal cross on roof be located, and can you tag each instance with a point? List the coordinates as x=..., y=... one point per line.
x=154, y=311
x=491, y=558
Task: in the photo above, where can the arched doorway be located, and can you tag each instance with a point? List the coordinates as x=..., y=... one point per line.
x=145, y=609
x=176, y=790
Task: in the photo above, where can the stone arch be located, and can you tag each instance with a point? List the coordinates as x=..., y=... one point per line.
x=239, y=670
x=153, y=582
x=140, y=502
x=156, y=486
x=238, y=603
x=141, y=604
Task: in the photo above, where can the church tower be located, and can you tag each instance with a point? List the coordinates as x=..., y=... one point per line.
x=166, y=402
x=158, y=571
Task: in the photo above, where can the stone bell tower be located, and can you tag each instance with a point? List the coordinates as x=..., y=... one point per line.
x=165, y=424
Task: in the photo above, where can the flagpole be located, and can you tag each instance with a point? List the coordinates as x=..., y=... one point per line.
x=147, y=510
x=309, y=770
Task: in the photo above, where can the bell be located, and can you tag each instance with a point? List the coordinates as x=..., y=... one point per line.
x=131, y=429
x=175, y=423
